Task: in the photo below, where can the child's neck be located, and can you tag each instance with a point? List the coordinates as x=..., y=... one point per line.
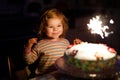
x=57, y=39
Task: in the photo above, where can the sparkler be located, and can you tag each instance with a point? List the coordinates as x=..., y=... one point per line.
x=96, y=27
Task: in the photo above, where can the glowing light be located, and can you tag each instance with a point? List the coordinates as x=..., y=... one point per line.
x=111, y=21
x=96, y=27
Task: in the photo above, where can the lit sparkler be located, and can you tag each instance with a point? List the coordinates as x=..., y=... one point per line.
x=96, y=27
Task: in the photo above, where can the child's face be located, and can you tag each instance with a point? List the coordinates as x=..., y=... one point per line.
x=54, y=28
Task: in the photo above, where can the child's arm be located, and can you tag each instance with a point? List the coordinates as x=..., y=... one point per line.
x=29, y=56
x=30, y=44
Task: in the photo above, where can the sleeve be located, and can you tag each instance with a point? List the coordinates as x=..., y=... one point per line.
x=67, y=42
x=31, y=55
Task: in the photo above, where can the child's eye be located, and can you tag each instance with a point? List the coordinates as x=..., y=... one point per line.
x=59, y=25
x=50, y=26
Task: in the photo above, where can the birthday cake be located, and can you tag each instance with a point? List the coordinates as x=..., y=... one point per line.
x=91, y=57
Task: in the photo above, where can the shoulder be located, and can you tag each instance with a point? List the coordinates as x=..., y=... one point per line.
x=41, y=41
x=65, y=40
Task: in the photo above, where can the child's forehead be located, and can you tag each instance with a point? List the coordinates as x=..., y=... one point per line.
x=53, y=20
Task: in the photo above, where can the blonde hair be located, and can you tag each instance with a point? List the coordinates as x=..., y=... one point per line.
x=48, y=14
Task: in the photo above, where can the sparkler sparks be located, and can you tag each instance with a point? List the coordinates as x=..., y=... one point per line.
x=96, y=27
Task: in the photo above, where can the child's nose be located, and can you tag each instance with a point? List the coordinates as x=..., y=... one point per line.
x=55, y=29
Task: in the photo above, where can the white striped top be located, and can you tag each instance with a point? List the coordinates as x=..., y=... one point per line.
x=48, y=51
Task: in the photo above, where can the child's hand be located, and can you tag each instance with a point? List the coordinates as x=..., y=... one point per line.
x=31, y=42
x=76, y=41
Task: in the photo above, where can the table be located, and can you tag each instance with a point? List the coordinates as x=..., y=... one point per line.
x=66, y=72
x=64, y=68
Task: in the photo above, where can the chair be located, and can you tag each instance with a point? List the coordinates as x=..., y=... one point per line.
x=10, y=68
x=15, y=74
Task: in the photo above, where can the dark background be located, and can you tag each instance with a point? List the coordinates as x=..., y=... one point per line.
x=19, y=20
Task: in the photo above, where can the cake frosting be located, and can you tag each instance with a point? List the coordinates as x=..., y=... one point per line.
x=92, y=51
x=91, y=57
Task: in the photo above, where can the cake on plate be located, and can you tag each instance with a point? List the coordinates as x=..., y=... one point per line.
x=91, y=57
